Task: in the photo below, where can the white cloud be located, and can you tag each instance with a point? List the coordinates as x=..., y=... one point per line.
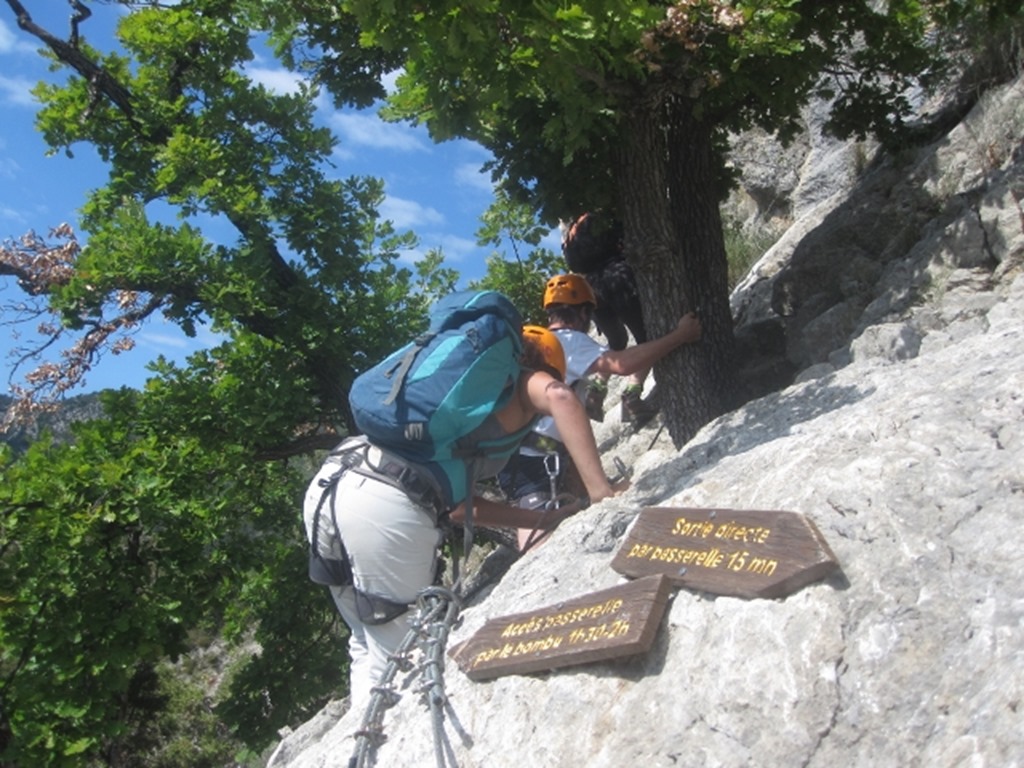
x=454, y=249
x=470, y=175
x=16, y=90
x=162, y=341
x=174, y=343
x=388, y=81
x=370, y=131
x=10, y=214
x=458, y=248
x=408, y=214
x=11, y=42
x=8, y=166
x=7, y=39
x=552, y=240
x=279, y=81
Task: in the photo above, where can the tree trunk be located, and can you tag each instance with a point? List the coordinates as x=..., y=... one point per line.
x=668, y=200
x=695, y=194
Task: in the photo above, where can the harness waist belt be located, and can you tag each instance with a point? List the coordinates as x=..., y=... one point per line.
x=366, y=459
x=408, y=478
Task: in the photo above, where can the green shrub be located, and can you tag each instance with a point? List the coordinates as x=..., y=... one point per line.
x=743, y=247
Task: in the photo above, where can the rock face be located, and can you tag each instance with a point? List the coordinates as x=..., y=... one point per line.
x=902, y=439
x=865, y=254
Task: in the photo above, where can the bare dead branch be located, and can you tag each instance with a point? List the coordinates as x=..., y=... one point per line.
x=81, y=13
x=42, y=267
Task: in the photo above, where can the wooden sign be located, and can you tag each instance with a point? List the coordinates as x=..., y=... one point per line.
x=744, y=553
x=615, y=622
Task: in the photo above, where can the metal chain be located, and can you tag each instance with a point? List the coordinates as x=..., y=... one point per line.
x=438, y=613
x=432, y=691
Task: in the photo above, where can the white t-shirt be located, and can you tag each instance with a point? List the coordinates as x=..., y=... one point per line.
x=580, y=353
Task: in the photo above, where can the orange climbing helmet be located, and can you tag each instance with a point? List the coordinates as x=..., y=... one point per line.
x=568, y=289
x=545, y=348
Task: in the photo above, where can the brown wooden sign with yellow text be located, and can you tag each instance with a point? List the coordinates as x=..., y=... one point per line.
x=744, y=553
x=620, y=621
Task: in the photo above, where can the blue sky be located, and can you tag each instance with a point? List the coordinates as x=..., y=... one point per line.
x=435, y=190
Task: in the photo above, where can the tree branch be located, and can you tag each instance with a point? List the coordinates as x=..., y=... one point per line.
x=41, y=268
x=67, y=51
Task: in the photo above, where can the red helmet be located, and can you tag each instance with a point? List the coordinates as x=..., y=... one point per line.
x=547, y=345
x=568, y=289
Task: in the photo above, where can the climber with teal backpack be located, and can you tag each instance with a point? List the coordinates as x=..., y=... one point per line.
x=440, y=413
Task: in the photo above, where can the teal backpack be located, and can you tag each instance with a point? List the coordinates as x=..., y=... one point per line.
x=422, y=399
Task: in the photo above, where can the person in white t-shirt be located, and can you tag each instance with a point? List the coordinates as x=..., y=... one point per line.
x=569, y=302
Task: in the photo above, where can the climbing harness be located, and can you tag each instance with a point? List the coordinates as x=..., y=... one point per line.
x=328, y=559
x=437, y=608
x=437, y=614
x=554, y=500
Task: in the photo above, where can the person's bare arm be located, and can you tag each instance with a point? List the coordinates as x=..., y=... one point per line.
x=554, y=398
x=640, y=357
x=497, y=515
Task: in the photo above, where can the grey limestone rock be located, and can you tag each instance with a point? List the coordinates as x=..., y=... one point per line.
x=904, y=449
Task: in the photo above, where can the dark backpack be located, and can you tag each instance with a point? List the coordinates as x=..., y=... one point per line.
x=422, y=399
x=592, y=242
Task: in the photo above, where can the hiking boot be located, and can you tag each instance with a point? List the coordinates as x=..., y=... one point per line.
x=634, y=410
x=594, y=401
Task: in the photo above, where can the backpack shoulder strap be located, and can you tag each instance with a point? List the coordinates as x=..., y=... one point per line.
x=401, y=368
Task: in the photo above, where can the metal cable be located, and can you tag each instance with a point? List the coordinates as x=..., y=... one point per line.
x=438, y=613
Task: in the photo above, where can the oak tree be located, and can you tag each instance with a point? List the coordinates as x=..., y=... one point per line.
x=221, y=207
x=180, y=512
x=629, y=106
